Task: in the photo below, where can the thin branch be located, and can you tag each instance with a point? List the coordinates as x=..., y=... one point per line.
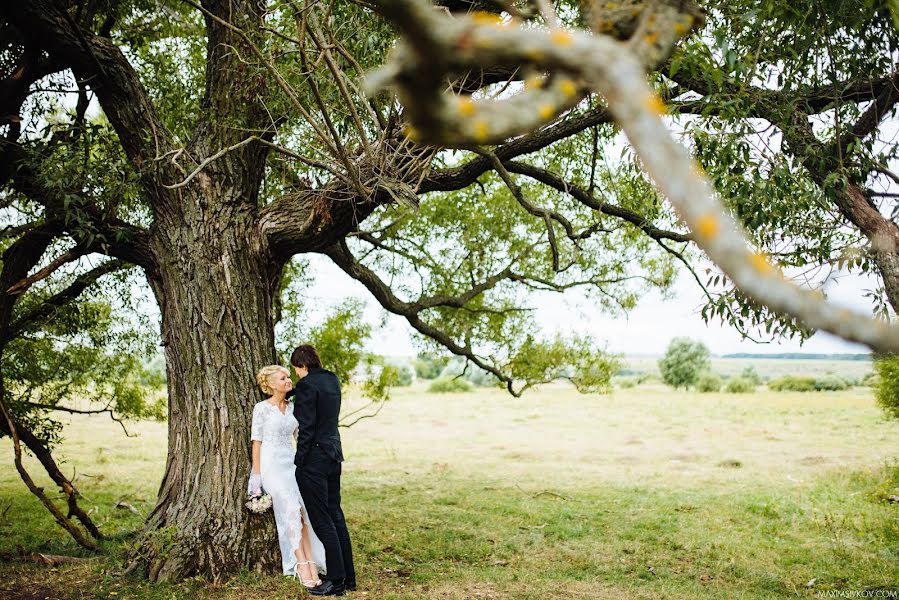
x=339, y=78
x=368, y=416
x=616, y=71
x=16, y=230
x=733, y=317
x=63, y=521
x=344, y=259
x=22, y=286
x=208, y=160
x=581, y=195
x=47, y=307
x=456, y=178
x=289, y=92
x=337, y=143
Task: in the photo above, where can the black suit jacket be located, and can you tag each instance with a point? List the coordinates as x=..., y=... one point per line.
x=316, y=406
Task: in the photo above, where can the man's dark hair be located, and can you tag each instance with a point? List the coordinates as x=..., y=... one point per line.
x=305, y=356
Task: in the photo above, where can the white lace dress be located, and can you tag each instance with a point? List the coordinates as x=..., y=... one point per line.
x=277, y=432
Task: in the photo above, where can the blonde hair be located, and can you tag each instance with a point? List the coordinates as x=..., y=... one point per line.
x=263, y=376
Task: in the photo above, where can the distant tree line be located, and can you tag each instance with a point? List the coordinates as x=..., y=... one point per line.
x=802, y=356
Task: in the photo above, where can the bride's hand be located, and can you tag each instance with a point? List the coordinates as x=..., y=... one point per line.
x=254, y=487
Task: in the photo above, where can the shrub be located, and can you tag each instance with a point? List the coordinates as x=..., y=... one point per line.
x=429, y=366
x=684, y=360
x=404, y=375
x=627, y=382
x=792, y=383
x=740, y=385
x=708, y=382
x=830, y=383
x=446, y=385
x=887, y=389
x=870, y=379
x=752, y=375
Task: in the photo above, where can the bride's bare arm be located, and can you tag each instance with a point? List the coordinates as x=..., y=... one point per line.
x=257, y=445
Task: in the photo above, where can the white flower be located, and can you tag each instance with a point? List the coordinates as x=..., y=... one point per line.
x=259, y=504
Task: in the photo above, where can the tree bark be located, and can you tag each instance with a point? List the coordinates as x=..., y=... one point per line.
x=215, y=287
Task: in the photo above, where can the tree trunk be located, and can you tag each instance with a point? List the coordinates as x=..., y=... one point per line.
x=217, y=332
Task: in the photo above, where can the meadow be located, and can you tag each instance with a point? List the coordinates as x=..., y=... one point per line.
x=769, y=368
x=642, y=493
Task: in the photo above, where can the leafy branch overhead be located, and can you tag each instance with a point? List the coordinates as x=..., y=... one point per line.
x=438, y=45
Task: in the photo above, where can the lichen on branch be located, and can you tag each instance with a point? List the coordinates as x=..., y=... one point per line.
x=438, y=46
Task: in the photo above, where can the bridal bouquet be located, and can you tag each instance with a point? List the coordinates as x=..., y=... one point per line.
x=259, y=504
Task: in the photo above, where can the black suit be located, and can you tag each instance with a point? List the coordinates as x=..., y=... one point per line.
x=319, y=454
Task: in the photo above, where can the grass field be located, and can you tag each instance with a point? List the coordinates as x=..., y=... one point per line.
x=769, y=368
x=644, y=493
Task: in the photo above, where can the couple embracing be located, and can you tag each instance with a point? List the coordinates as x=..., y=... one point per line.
x=304, y=484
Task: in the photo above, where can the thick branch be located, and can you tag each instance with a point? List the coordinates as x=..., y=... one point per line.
x=879, y=108
x=811, y=100
x=98, y=60
x=457, y=178
x=14, y=89
x=604, y=65
x=311, y=220
x=111, y=236
x=22, y=256
x=54, y=302
x=42, y=453
x=344, y=259
x=64, y=521
x=21, y=286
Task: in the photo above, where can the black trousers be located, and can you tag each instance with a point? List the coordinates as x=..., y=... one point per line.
x=319, y=483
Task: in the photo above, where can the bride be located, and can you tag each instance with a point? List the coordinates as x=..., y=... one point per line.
x=302, y=554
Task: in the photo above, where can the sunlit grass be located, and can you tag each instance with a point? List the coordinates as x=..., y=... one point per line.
x=645, y=493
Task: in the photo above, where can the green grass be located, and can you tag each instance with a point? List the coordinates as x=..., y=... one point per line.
x=645, y=493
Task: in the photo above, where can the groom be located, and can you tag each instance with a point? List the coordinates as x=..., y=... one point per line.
x=319, y=454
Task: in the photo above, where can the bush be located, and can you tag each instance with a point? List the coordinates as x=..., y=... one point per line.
x=792, y=383
x=684, y=360
x=887, y=389
x=627, y=383
x=404, y=375
x=830, y=383
x=429, y=366
x=446, y=385
x=740, y=385
x=870, y=380
x=708, y=382
x=752, y=375
x=632, y=381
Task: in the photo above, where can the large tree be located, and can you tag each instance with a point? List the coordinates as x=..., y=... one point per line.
x=234, y=135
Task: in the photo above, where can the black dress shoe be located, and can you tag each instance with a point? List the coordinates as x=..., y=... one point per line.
x=328, y=588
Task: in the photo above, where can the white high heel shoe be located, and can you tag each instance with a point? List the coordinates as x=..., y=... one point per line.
x=309, y=583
